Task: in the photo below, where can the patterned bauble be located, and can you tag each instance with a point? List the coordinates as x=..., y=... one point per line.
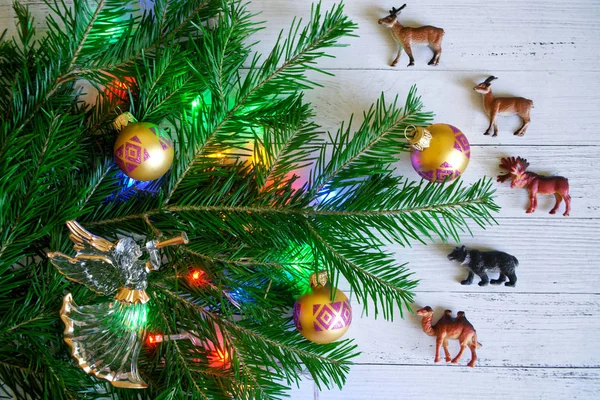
x=142, y=150
x=317, y=317
x=441, y=152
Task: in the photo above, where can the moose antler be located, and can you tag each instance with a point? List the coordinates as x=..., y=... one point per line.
x=514, y=166
x=395, y=10
x=490, y=79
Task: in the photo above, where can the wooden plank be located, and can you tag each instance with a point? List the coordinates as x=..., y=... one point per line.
x=545, y=160
x=479, y=35
x=387, y=382
x=564, y=113
x=515, y=329
x=305, y=390
x=555, y=256
x=578, y=164
x=496, y=36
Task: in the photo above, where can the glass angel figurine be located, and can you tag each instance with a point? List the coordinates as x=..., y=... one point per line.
x=105, y=339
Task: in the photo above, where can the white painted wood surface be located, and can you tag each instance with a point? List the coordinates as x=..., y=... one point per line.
x=540, y=339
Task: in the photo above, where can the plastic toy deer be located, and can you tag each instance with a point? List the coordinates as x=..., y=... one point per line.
x=450, y=328
x=503, y=106
x=405, y=37
x=517, y=171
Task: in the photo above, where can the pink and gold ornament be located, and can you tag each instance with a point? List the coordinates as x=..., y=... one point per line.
x=317, y=317
x=441, y=152
x=142, y=150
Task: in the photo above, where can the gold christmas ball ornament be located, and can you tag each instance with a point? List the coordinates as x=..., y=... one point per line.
x=142, y=150
x=319, y=319
x=441, y=152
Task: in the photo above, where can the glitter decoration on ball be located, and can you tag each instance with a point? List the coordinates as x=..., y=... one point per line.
x=481, y=262
x=448, y=327
x=142, y=150
x=319, y=319
x=504, y=106
x=106, y=338
x=534, y=183
x=440, y=152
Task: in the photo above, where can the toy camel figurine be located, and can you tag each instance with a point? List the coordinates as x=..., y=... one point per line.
x=504, y=106
x=405, y=37
x=557, y=185
x=450, y=328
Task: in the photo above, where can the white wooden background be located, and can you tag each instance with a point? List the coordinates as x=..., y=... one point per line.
x=540, y=339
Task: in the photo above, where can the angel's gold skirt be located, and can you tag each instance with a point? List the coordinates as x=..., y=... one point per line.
x=105, y=339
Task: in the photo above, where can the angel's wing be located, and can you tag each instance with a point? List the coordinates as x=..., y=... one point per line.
x=93, y=266
x=98, y=273
x=86, y=242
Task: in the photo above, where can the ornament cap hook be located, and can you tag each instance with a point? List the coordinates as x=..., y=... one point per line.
x=318, y=279
x=123, y=120
x=420, y=138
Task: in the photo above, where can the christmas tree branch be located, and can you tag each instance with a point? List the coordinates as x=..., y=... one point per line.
x=373, y=147
x=305, y=212
x=289, y=144
x=68, y=74
x=230, y=260
x=385, y=287
x=262, y=84
x=282, y=347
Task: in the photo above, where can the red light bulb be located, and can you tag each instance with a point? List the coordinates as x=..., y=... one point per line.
x=153, y=339
x=196, y=277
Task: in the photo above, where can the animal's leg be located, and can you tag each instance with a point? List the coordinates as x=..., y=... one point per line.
x=567, y=204
x=438, y=344
x=446, y=351
x=438, y=55
x=484, y=279
x=469, y=279
x=500, y=279
x=492, y=122
x=523, y=128
x=532, y=203
x=463, y=346
x=408, y=50
x=558, y=200
x=437, y=50
x=397, y=57
x=512, y=279
x=471, y=363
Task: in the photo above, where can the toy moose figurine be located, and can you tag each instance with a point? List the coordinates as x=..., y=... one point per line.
x=557, y=185
x=450, y=328
x=405, y=37
x=504, y=106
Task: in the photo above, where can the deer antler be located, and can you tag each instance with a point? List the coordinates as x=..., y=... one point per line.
x=395, y=10
x=514, y=166
x=490, y=79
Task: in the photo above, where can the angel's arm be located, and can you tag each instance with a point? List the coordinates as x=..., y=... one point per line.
x=154, y=254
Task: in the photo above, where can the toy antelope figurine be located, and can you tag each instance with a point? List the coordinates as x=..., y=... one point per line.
x=503, y=106
x=450, y=328
x=557, y=185
x=405, y=37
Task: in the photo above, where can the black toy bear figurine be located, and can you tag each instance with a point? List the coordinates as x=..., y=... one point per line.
x=478, y=262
